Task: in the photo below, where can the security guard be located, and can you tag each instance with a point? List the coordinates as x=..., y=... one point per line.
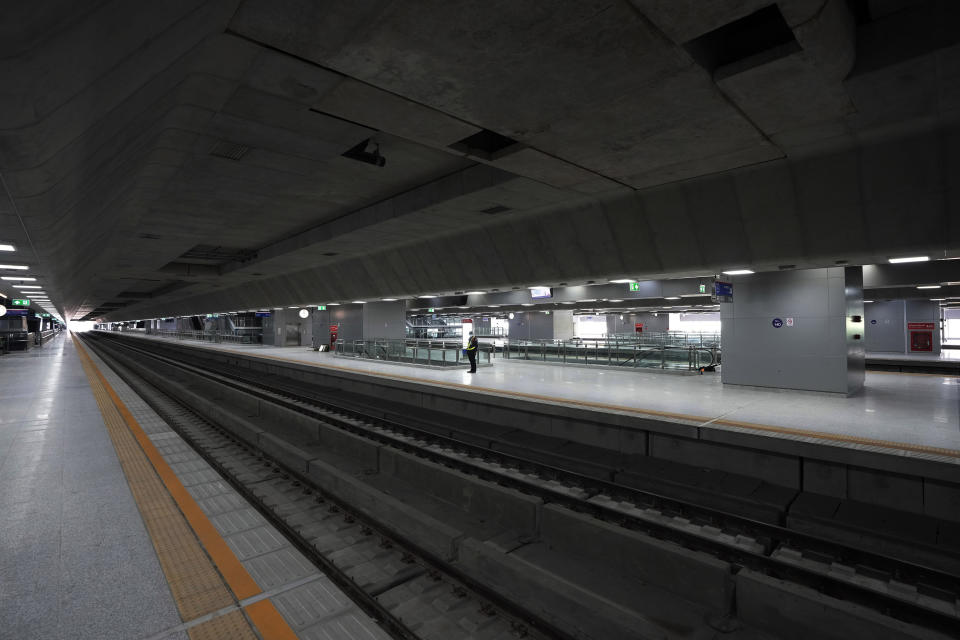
x=472, y=345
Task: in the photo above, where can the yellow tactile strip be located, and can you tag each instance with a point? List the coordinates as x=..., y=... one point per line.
x=204, y=574
x=819, y=435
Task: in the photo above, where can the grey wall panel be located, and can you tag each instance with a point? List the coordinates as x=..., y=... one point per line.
x=811, y=354
x=384, y=320
x=884, y=327
x=854, y=335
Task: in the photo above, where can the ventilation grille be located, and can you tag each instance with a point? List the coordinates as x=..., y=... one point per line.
x=217, y=254
x=762, y=32
x=229, y=150
x=487, y=144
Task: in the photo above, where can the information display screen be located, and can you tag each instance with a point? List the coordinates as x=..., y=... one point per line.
x=541, y=292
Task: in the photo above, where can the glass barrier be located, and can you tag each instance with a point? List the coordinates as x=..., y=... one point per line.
x=435, y=353
x=667, y=350
x=205, y=336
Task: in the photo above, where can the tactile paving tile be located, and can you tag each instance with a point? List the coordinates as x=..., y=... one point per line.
x=195, y=583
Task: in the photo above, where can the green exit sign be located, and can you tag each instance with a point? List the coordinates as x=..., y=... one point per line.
x=703, y=288
x=431, y=310
x=321, y=307
x=634, y=286
x=21, y=303
x=44, y=315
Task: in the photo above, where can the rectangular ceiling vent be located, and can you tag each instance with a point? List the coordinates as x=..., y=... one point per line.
x=208, y=253
x=748, y=42
x=497, y=209
x=487, y=144
x=229, y=150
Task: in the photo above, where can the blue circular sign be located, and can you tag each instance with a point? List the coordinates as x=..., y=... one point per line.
x=873, y=322
x=777, y=323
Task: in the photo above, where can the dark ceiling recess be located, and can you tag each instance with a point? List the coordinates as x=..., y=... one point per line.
x=330, y=253
x=762, y=32
x=360, y=153
x=229, y=150
x=149, y=236
x=487, y=144
x=497, y=209
x=208, y=253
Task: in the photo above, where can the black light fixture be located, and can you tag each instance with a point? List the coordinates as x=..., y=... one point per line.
x=359, y=152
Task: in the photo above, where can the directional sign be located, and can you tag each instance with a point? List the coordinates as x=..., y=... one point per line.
x=634, y=286
x=703, y=288
x=21, y=303
x=322, y=307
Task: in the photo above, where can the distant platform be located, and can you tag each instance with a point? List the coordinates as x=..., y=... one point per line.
x=908, y=413
x=945, y=362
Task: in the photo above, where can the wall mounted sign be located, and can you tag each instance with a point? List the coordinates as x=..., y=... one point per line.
x=21, y=303
x=789, y=322
x=927, y=326
x=635, y=286
x=722, y=291
x=322, y=307
x=777, y=323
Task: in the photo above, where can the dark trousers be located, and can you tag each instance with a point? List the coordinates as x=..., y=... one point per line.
x=472, y=354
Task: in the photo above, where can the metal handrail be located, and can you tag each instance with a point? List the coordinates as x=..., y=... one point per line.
x=663, y=351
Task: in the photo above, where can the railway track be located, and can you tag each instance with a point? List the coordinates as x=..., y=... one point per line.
x=922, y=595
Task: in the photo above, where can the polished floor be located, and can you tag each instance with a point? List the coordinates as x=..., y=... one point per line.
x=910, y=409
x=75, y=559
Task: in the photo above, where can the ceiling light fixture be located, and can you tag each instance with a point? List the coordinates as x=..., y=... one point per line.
x=427, y=297
x=526, y=304
x=7, y=247
x=388, y=299
x=866, y=301
x=622, y=281
x=14, y=267
x=19, y=278
x=27, y=286
x=475, y=293
x=911, y=259
x=923, y=286
x=672, y=298
x=359, y=302
x=738, y=272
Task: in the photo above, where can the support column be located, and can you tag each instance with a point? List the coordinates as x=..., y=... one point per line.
x=795, y=330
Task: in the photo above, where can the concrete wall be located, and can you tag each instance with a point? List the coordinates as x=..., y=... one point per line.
x=813, y=354
x=384, y=320
x=531, y=325
x=562, y=325
x=887, y=324
x=884, y=326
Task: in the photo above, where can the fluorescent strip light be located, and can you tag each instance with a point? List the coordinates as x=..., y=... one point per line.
x=14, y=267
x=388, y=299
x=359, y=302
x=475, y=293
x=866, y=301
x=672, y=298
x=621, y=281
x=27, y=286
x=527, y=304
x=19, y=278
x=929, y=286
x=738, y=272
x=911, y=259
x=333, y=304
x=614, y=300
x=7, y=247
x=937, y=299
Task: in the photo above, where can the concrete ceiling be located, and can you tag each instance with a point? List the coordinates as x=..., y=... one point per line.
x=188, y=156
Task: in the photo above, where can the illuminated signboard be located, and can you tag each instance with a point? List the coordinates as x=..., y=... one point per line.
x=21, y=303
x=541, y=292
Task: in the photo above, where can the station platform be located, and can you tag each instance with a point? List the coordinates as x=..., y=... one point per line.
x=114, y=528
x=947, y=361
x=910, y=414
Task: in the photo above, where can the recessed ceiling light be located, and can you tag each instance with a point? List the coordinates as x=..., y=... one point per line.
x=359, y=302
x=866, y=301
x=937, y=299
x=923, y=286
x=590, y=300
x=738, y=272
x=475, y=293
x=19, y=278
x=526, y=304
x=672, y=298
x=911, y=259
x=27, y=286
x=427, y=297
x=614, y=300
x=7, y=247
x=333, y=304
x=388, y=299
x=14, y=267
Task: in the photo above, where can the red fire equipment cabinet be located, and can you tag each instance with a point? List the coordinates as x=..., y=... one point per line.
x=921, y=335
x=334, y=329
x=638, y=327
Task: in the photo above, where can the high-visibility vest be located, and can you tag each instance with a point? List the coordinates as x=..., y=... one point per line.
x=472, y=344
